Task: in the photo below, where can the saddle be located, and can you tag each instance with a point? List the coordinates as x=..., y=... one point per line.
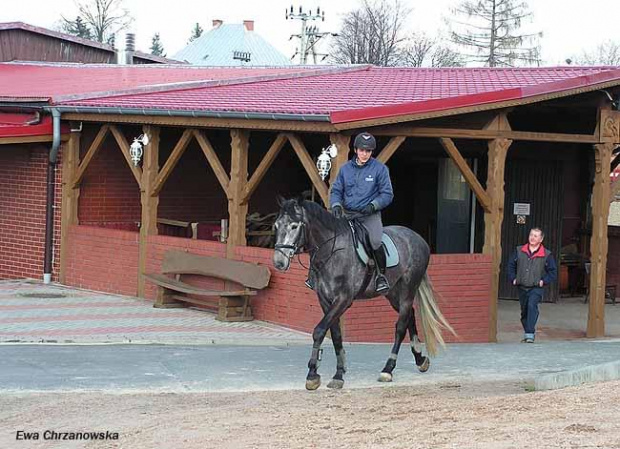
x=361, y=243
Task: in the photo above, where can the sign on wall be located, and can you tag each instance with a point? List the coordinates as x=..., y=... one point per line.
x=521, y=209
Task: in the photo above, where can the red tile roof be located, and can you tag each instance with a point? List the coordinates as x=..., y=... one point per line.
x=55, y=81
x=370, y=93
x=338, y=93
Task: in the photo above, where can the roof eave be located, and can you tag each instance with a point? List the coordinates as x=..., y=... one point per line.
x=195, y=114
x=412, y=111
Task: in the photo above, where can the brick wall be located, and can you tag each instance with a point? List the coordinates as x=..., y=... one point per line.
x=106, y=260
x=462, y=282
x=101, y=259
x=23, y=192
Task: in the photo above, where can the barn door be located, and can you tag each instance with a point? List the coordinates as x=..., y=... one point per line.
x=534, y=198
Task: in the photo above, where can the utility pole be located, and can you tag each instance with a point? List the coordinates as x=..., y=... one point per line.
x=309, y=35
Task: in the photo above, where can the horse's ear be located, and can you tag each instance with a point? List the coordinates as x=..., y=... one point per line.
x=280, y=199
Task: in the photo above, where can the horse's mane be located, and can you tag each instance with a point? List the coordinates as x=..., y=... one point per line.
x=317, y=212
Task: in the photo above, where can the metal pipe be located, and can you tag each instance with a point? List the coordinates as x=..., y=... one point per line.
x=49, y=205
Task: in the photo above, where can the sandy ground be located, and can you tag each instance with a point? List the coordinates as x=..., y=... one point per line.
x=440, y=416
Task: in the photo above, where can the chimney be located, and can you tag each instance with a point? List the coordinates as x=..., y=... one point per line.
x=217, y=23
x=249, y=25
x=130, y=47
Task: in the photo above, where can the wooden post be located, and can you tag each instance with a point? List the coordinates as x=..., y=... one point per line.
x=498, y=148
x=150, y=202
x=342, y=143
x=70, y=195
x=237, y=209
x=599, y=241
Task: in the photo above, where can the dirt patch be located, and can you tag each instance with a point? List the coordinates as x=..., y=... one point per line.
x=492, y=416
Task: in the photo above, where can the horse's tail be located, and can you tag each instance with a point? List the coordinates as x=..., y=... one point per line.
x=431, y=317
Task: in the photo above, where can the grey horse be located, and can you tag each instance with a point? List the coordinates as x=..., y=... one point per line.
x=340, y=277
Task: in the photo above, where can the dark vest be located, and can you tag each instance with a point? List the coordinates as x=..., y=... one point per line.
x=530, y=270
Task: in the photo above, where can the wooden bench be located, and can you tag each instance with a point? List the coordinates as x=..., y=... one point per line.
x=233, y=304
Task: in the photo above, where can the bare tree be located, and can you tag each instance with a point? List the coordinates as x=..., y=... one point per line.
x=103, y=18
x=491, y=31
x=606, y=53
x=424, y=51
x=372, y=34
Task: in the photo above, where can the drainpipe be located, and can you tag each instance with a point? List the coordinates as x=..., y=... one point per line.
x=49, y=207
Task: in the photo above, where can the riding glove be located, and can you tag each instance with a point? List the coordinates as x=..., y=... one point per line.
x=369, y=209
x=337, y=211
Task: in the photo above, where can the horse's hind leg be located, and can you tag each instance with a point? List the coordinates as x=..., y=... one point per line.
x=422, y=362
x=405, y=314
x=337, y=381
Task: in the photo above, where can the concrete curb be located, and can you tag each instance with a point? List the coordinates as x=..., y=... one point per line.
x=589, y=374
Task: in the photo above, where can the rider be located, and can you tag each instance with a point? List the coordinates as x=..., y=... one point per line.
x=362, y=189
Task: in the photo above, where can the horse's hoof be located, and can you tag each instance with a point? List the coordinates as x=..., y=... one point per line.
x=385, y=377
x=426, y=364
x=336, y=384
x=313, y=384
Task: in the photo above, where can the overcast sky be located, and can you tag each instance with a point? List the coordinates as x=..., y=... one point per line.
x=568, y=26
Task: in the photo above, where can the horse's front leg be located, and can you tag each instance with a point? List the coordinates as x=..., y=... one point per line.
x=337, y=381
x=332, y=317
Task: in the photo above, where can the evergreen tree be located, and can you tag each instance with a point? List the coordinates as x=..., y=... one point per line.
x=490, y=29
x=157, y=48
x=196, y=32
x=77, y=27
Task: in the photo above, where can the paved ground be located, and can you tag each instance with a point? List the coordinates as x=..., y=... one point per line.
x=211, y=368
x=37, y=313
x=202, y=354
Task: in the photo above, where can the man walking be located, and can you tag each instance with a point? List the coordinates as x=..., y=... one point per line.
x=530, y=268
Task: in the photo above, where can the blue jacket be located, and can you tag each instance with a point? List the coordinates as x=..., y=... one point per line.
x=356, y=186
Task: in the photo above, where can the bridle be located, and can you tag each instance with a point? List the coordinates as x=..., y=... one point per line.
x=297, y=245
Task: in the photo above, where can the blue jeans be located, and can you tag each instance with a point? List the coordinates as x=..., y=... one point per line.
x=529, y=300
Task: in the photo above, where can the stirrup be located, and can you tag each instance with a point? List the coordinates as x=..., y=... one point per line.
x=381, y=284
x=308, y=282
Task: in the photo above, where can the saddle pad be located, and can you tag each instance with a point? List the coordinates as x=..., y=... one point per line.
x=392, y=258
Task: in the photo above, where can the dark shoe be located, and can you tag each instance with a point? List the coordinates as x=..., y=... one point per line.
x=309, y=284
x=381, y=284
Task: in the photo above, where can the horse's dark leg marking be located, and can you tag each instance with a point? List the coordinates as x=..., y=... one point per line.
x=341, y=368
x=337, y=308
x=404, y=316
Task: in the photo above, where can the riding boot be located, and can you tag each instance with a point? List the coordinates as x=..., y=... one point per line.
x=381, y=283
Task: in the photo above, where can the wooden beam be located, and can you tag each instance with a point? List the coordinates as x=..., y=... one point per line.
x=599, y=242
x=214, y=161
x=486, y=134
x=393, y=145
x=150, y=201
x=497, y=151
x=481, y=195
x=90, y=154
x=264, y=165
x=342, y=142
x=207, y=122
x=237, y=210
x=310, y=168
x=69, y=204
x=124, y=146
x=172, y=161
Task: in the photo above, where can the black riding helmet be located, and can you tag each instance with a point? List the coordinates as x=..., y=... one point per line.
x=365, y=141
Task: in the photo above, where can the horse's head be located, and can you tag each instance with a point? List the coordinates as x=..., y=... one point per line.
x=290, y=231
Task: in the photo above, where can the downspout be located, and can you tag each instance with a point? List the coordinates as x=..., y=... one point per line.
x=49, y=207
